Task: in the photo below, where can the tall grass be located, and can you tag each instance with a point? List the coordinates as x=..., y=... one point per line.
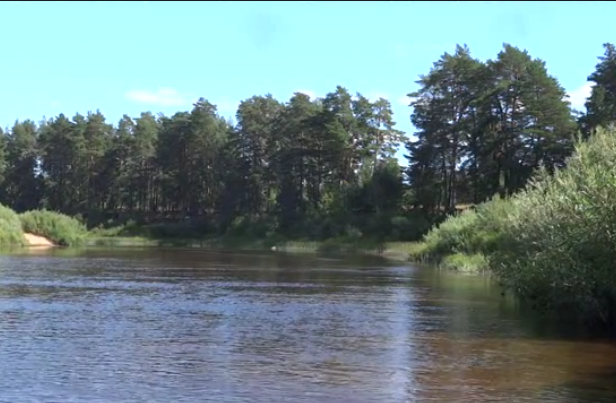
x=554, y=243
x=59, y=228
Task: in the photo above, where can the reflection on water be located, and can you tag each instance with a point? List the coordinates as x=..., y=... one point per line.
x=148, y=325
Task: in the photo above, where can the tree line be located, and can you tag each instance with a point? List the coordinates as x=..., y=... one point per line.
x=283, y=165
x=485, y=127
x=313, y=168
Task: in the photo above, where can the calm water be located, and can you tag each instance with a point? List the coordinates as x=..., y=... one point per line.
x=139, y=325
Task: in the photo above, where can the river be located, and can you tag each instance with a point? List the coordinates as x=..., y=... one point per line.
x=170, y=325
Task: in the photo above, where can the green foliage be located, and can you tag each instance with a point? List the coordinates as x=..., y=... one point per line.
x=349, y=244
x=10, y=228
x=483, y=130
x=178, y=230
x=471, y=232
x=248, y=227
x=312, y=169
x=455, y=234
x=59, y=228
x=465, y=263
x=113, y=229
x=559, y=242
x=601, y=105
x=289, y=168
x=554, y=243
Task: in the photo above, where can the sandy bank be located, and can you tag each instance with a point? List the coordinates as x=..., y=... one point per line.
x=38, y=241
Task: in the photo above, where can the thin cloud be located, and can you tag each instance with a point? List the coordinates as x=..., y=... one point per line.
x=578, y=97
x=161, y=97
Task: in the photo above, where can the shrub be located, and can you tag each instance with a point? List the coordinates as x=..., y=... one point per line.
x=59, y=228
x=559, y=244
x=470, y=232
x=127, y=229
x=176, y=230
x=554, y=243
x=465, y=263
x=10, y=227
x=247, y=227
x=411, y=227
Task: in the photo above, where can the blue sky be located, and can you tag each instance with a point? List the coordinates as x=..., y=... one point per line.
x=128, y=57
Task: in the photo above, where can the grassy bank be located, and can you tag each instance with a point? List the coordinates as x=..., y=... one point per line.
x=465, y=241
x=554, y=244
x=11, y=233
x=392, y=250
x=57, y=228
x=246, y=234
x=67, y=231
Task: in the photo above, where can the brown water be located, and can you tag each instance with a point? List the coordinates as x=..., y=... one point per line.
x=148, y=325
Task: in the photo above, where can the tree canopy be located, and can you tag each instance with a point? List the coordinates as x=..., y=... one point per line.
x=307, y=167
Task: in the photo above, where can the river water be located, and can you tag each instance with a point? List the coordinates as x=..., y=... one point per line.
x=154, y=325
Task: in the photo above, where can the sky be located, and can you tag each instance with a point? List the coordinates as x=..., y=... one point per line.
x=127, y=57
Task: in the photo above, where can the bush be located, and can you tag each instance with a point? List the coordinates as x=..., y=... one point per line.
x=559, y=244
x=465, y=263
x=470, y=232
x=554, y=243
x=127, y=229
x=411, y=227
x=59, y=228
x=10, y=227
x=246, y=227
x=177, y=230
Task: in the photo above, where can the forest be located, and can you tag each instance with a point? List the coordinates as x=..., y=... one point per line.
x=311, y=168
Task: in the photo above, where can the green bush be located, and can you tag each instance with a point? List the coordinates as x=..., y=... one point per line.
x=554, y=243
x=410, y=227
x=246, y=227
x=470, y=232
x=454, y=235
x=114, y=230
x=465, y=263
x=10, y=227
x=559, y=244
x=177, y=230
x=58, y=228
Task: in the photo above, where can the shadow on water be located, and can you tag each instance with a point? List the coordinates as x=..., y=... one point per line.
x=154, y=325
x=595, y=387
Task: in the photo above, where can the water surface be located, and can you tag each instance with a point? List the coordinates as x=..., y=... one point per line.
x=155, y=325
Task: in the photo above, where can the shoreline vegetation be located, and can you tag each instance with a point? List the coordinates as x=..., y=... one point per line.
x=553, y=244
x=395, y=251
x=41, y=228
x=496, y=182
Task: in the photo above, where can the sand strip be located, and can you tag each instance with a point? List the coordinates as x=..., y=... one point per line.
x=39, y=241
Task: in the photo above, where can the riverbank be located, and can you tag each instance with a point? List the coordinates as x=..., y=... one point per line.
x=553, y=244
x=41, y=228
x=397, y=251
x=35, y=241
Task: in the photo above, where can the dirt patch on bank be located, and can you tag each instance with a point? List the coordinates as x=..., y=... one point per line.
x=38, y=241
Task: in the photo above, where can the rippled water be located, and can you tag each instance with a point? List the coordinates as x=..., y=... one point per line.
x=148, y=325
